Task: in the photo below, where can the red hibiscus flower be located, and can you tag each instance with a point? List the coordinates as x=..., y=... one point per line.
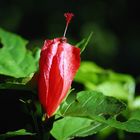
x=59, y=62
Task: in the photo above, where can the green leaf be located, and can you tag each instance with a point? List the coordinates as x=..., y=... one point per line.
x=70, y=127
x=131, y=125
x=83, y=111
x=92, y=104
x=82, y=44
x=15, y=59
x=103, y=109
x=21, y=132
x=93, y=128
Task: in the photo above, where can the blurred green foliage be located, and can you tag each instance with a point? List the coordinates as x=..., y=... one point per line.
x=114, y=84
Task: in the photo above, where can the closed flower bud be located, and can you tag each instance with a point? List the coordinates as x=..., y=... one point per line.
x=58, y=64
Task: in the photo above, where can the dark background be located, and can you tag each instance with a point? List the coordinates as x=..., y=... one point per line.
x=115, y=24
x=115, y=43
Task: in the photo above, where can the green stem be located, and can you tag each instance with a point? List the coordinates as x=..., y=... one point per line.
x=47, y=126
x=29, y=108
x=35, y=124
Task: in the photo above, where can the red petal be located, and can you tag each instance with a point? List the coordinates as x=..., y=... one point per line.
x=46, y=57
x=55, y=83
x=71, y=64
x=65, y=64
